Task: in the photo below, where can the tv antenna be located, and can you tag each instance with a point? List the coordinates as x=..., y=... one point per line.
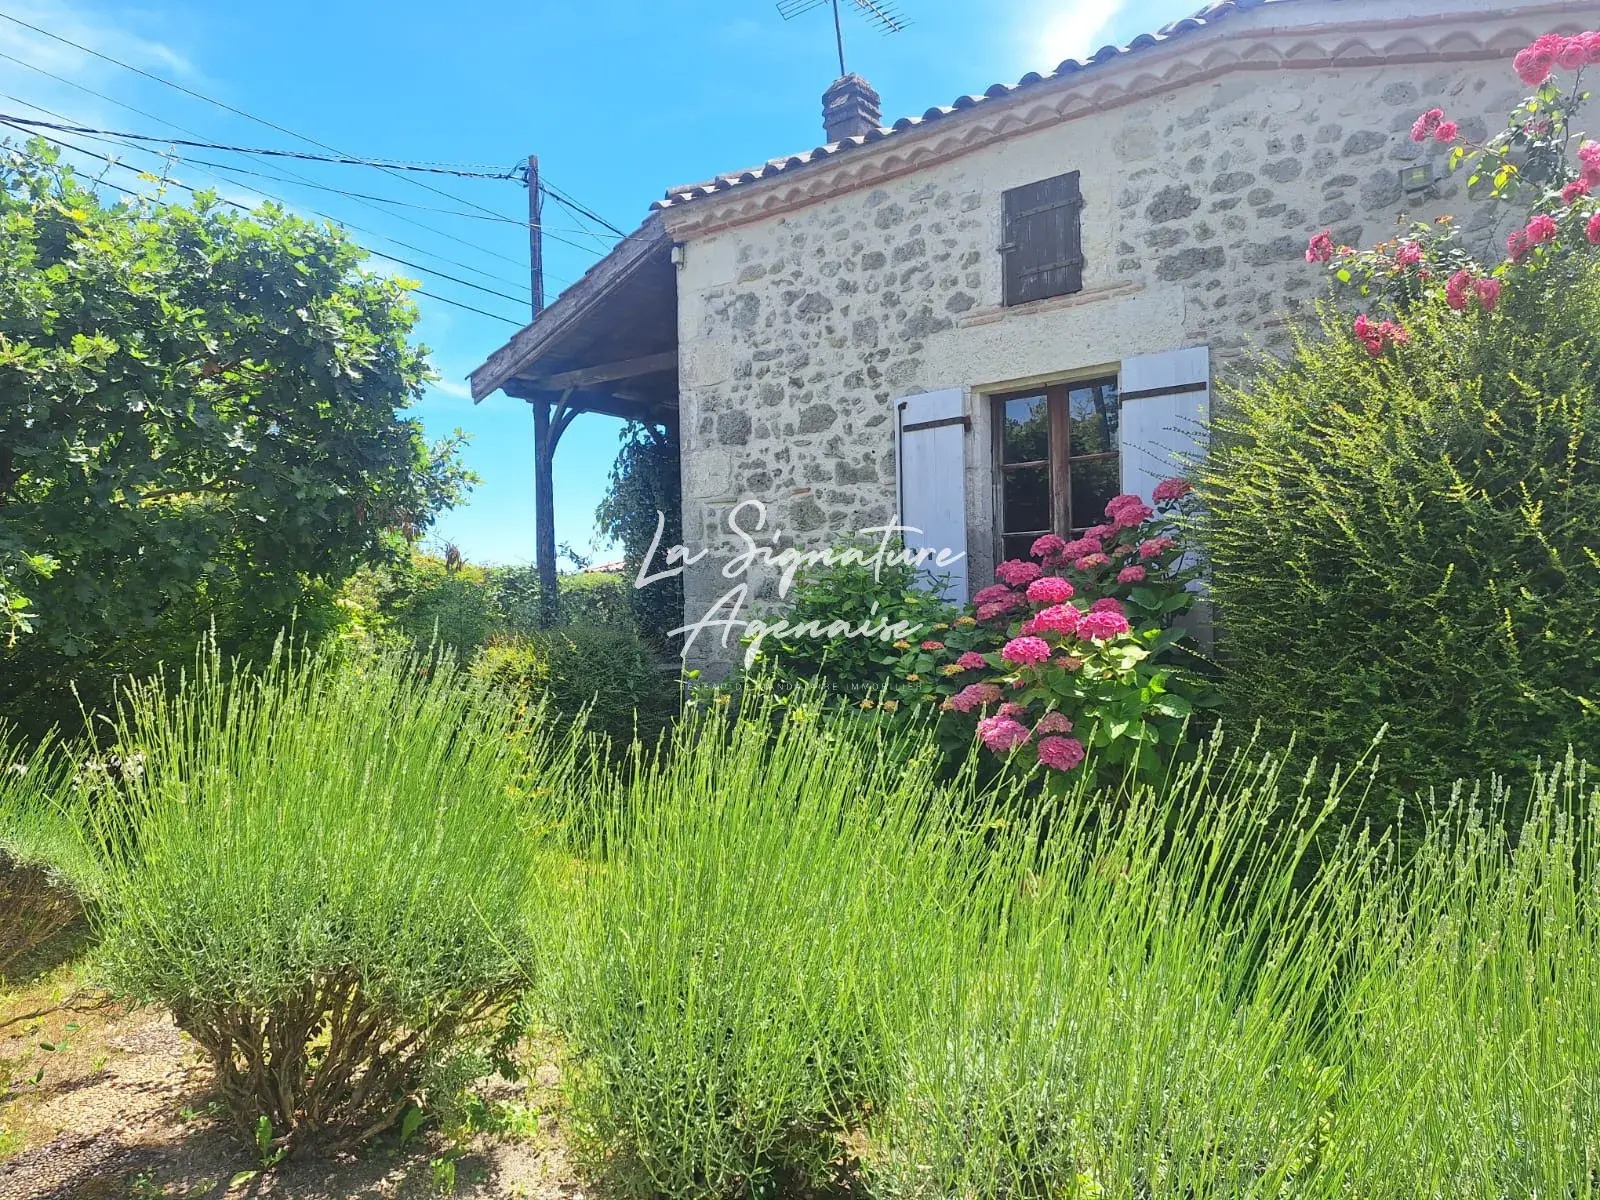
x=884, y=15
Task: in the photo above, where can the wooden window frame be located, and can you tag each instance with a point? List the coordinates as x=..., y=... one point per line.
x=1059, y=462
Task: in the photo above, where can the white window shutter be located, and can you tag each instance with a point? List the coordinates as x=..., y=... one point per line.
x=931, y=469
x=1166, y=405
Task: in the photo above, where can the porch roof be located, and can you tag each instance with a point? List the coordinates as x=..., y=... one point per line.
x=608, y=344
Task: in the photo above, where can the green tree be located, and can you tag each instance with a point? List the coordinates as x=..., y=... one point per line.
x=645, y=491
x=199, y=410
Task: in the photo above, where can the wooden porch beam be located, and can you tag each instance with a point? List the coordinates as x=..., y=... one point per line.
x=607, y=372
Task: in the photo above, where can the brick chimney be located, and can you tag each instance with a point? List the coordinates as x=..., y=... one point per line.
x=850, y=108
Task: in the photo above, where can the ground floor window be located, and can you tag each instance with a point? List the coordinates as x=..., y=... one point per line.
x=1058, y=458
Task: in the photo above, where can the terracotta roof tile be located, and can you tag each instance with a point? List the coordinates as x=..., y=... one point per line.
x=776, y=166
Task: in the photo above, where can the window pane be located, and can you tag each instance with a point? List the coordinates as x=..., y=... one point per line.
x=1094, y=482
x=1027, y=500
x=1026, y=430
x=1018, y=547
x=1094, y=411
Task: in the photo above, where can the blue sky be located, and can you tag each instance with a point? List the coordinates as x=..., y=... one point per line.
x=619, y=98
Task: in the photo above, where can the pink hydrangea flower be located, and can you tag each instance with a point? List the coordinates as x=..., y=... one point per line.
x=1108, y=604
x=1025, y=651
x=1081, y=547
x=1098, y=534
x=977, y=696
x=1060, y=618
x=972, y=661
x=1131, y=575
x=1423, y=127
x=1053, y=722
x=1131, y=516
x=1169, y=490
x=1017, y=572
x=1011, y=709
x=1320, y=248
x=1051, y=589
x=1061, y=753
x=1002, y=734
x=1117, y=503
x=1092, y=562
x=1047, y=546
x=932, y=645
x=1155, y=547
x=993, y=593
x=1103, y=626
x=990, y=612
x=1489, y=289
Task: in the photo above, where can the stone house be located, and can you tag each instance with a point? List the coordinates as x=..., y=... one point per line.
x=990, y=318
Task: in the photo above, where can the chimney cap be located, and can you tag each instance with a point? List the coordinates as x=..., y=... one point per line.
x=850, y=108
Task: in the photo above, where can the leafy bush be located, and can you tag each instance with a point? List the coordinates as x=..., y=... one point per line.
x=728, y=958
x=644, y=501
x=45, y=871
x=610, y=673
x=328, y=873
x=1401, y=516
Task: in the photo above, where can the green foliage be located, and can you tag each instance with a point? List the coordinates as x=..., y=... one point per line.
x=44, y=870
x=854, y=590
x=644, y=502
x=609, y=673
x=726, y=963
x=1409, y=539
x=201, y=421
x=326, y=871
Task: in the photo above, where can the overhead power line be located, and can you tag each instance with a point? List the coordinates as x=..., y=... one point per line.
x=384, y=164
x=245, y=208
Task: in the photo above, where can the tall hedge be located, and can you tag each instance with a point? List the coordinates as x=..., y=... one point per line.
x=1413, y=539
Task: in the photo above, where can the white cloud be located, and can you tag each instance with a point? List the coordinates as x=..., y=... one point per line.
x=1075, y=28
x=455, y=389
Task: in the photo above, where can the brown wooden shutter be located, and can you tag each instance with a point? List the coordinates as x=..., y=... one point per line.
x=1042, y=239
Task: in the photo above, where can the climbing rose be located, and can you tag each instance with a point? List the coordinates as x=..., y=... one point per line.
x=1572, y=54
x=1542, y=228
x=1426, y=124
x=1061, y=618
x=972, y=661
x=1574, y=191
x=1517, y=244
x=993, y=594
x=1458, y=291
x=1131, y=575
x=1103, y=626
x=1593, y=229
x=1108, y=604
x=1046, y=546
x=1489, y=289
x=1050, y=590
x=1026, y=650
x=1534, y=64
x=1320, y=248
x=976, y=696
x=1448, y=131
x=1092, y=562
x=1053, y=722
x=1155, y=547
x=1408, y=255
x=1002, y=734
x=1018, y=573
x=1061, y=754
x=1171, y=489
x=1589, y=154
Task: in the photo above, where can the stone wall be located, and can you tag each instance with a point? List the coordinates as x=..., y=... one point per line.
x=799, y=331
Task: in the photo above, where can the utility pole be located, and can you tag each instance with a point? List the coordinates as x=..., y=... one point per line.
x=546, y=433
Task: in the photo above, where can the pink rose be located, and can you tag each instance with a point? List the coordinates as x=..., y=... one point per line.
x=1025, y=651
x=1542, y=228
x=1593, y=229
x=972, y=661
x=1573, y=54
x=1489, y=289
x=1059, y=618
x=1050, y=590
x=1047, y=546
x=1103, y=626
x=1320, y=248
x=1517, y=245
x=1574, y=191
x=1458, y=291
x=1131, y=575
x=1018, y=573
x=1060, y=753
x=1426, y=124
x=1448, y=131
x=1002, y=734
x=1052, y=722
x=1530, y=68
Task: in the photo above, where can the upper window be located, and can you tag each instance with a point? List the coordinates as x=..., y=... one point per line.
x=1059, y=460
x=1042, y=239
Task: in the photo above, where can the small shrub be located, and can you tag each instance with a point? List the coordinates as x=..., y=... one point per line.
x=609, y=673
x=328, y=875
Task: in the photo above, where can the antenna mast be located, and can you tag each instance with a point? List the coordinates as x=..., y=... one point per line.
x=882, y=13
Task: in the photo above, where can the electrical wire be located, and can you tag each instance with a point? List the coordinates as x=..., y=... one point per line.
x=245, y=208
